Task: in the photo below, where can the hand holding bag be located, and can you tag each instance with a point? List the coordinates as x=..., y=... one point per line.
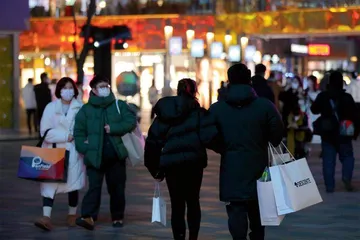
x=134, y=142
x=43, y=164
x=159, y=207
x=294, y=186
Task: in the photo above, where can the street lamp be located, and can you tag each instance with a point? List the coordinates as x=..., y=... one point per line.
x=168, y=32
x=244, y=41
x=228, y=40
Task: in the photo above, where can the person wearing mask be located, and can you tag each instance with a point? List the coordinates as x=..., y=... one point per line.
x=99, y=127
x=254, y=123
x=335, y=106
x=260, y=84
x=42, y=94
x=175, y=150
x=57, y=126
x=153, y=98
x=222, y=91
x=29, y=99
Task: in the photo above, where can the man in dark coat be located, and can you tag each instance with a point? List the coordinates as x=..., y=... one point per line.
x=42, y=95
x=247, y=124
x=260, y=84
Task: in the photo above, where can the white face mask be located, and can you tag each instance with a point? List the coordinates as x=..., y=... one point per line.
x=67, y=94
x=103, y=92
x=295, y=86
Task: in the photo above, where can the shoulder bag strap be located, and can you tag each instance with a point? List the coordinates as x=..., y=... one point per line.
x=333, y=107
x=42, y=139
x=117, y=106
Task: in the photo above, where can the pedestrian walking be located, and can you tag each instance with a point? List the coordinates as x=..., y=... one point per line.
x=338, y=114
x=175, y=150
x=260, y=84
x=29, y=99
x=153, y=98
x=254, y=123
x=58, y=121
x=99, y=127
x=42, y=94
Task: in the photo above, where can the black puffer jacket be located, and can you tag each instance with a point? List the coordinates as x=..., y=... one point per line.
x=262, y=88
x=246, y=124
x=179, y=134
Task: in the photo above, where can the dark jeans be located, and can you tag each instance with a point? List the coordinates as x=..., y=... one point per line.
x=346, y=156
x=239, y=214
x=31, y=113
x=115, y=177
x=184, y=185
x=73, y=198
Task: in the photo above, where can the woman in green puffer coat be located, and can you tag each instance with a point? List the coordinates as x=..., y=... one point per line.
x=98, y=130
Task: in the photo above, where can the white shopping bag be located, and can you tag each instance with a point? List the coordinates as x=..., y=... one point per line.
x=267, y=205
x=159, y=207
x=134, y=143
x=294, y=186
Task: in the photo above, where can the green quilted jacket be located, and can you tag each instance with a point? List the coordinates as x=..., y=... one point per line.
x=89, y=128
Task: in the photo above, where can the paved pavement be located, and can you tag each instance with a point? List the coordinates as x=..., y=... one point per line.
x=337, y=218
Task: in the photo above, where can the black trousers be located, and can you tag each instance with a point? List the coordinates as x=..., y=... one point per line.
x=115, y=176
x=31, y=113
x=184, y=185
x=239, y=214
x=73, y=198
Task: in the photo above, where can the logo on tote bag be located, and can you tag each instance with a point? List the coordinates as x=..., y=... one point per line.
x=302, y=182
x=38, y=164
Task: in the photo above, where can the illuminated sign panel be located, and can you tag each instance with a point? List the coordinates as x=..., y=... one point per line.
x=302, y=49
x=319, y=50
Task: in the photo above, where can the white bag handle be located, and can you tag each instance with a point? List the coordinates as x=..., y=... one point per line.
x=157, y=190
x=273, y=149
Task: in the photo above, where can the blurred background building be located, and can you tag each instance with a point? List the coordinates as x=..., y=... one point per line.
x=173, y=39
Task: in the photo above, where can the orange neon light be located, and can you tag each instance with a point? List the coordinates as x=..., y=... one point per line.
x=319, y=49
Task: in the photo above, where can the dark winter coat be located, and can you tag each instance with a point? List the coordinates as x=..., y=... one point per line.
x=89, y=132
x=246, y=124
x=346, y=110
x=262, y=88
x=178, y=135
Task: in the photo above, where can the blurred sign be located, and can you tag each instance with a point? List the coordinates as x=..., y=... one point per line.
x=250, y=53
x=197, y=48
x=175, y=46
x=127, y=83
x=319, y=49
x=234, y=54
x=216, y=50
x=15, y=15
x=297, y=48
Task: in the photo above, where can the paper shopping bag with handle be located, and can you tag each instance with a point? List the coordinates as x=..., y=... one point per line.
x=159, y=207
x=43, y=164
x=267, y=205
x=294, y=186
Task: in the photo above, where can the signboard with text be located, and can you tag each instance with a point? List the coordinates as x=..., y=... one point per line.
x=319, y=50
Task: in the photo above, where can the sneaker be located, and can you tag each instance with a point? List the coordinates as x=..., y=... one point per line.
x=86, y=223
x=71, y=220
x=44, y=223
x=118, y=224
x=348, y=186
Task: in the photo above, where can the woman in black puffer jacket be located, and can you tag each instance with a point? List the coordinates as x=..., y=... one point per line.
x=176, y=150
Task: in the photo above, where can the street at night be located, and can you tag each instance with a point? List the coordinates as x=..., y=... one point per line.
x=334, y=219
